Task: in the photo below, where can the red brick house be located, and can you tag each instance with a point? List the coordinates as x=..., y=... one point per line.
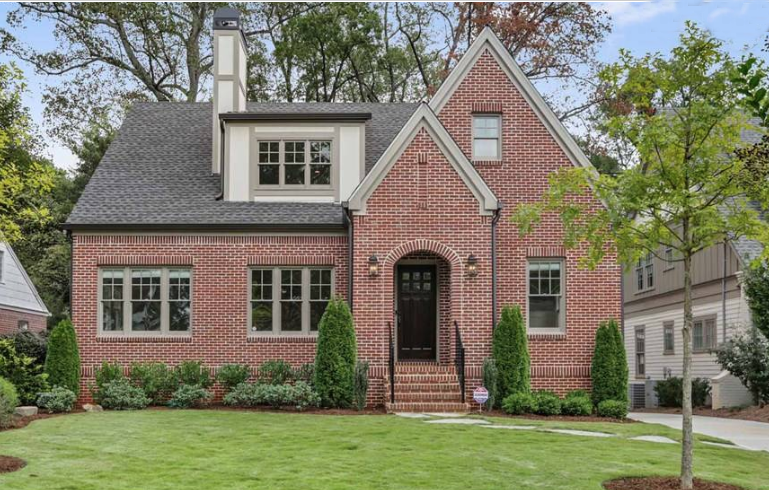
x=21, y=307
x=219, y=232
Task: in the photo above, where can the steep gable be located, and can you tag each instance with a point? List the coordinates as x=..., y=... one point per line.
x=16, y=289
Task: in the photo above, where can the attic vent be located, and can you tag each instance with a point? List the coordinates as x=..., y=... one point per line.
x=637, y=395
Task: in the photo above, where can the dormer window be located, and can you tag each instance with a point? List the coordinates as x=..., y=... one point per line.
x=295, y=164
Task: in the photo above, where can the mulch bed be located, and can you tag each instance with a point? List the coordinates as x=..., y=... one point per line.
x=756, y=414
x=664, y=483
x=9, y=463
x=19, y=422
x=557, y=418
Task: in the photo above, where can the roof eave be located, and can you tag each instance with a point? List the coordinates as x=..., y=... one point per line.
x=194, y=227
x=299, y=116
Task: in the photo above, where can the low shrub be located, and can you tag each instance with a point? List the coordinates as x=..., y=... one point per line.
x=30, y=344
x=156, y=380
x=57, y=400
x=490, y=376
x=122, y=395
x=22, y=371
x=577, y=394
x=547, y=403
x=577, y=405
x=615, y=409
x=670, y=392
x=189, y=396
x=300, y=395
x=519, y=403
x=106, y=373
x=231, y=375
x=193, y=373
x=9, y=400
x=275, y=373
x=305, y=372
x=361, y=384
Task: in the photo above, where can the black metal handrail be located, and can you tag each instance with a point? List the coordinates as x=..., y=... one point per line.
x=459, y=359
x=392, y=362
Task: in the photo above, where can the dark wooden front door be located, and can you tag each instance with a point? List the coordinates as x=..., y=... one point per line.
x=417, y=312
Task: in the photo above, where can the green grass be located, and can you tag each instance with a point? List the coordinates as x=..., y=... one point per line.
x=162, y=449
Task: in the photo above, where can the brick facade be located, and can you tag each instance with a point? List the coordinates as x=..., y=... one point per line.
x=9, y=321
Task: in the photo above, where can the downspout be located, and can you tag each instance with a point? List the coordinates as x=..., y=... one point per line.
x=350, y=249
x=723, y=291
x=221, y=161
x=71, y=272
x=494, y=221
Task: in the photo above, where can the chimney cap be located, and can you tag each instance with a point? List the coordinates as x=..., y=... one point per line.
x=227, y=18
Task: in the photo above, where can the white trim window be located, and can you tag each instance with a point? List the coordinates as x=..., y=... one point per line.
x=487, y=137
x=145, y=301
x=288, y=300
x=640, y=352
x=668, y=338
x=704, y=334
x=545, y=292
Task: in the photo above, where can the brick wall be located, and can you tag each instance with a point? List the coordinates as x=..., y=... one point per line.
x=9, y=321
x=529, y=154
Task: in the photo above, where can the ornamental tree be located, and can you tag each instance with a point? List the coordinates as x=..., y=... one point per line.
x=510, y=351
x=62, y=364
x=336, y=356
x=681, y=115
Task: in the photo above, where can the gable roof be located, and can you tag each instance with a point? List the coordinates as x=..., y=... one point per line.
x=487, y=41
x=425, y=118
x=17, y=292
x=156, y=174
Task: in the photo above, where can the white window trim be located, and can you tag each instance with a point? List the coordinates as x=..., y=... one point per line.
x=561, y=330
x=499, y=137
x=669, y=325
x=276, y=300
x=643, y=266
x=165, y=319
x=702, y=320
x=636, y=330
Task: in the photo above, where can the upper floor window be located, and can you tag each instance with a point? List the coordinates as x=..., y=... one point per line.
x=704, y=334
x=486, y=138
x=546, y=298
x=668, y=338
x=145, y=301
x=294, y=163
x=645, y=272
x=669, y=259
x=289, y=300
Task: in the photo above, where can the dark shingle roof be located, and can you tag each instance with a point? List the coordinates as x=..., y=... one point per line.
x=157, y=171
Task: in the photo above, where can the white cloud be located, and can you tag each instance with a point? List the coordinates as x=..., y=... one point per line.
x=625, y=13
x=744, y=9
x=718, y=13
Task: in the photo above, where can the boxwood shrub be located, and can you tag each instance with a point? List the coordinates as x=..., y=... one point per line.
x=299, y=395
x=193, y=373
x=519, y=403
x=57, y=400
x=670, y=392
x=189, y=396
x=156, y=379
x=615, y=409
x=547, y=403
x=577, y=405
x=231, y=375
x=122, y=395
x=9, y=400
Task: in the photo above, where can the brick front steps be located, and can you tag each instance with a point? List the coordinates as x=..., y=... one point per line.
x=425, y=387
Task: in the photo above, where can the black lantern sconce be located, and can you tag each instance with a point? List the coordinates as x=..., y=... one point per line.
x=373, y=266
x=472, y=265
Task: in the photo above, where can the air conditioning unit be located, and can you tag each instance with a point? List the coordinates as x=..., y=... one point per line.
x=637, y=395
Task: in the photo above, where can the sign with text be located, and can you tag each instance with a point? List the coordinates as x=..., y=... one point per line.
x=480, y=395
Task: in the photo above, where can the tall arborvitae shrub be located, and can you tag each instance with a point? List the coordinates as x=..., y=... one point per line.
x=609, y=369
x=336, y=356
x=510, y=351
x=62, y=363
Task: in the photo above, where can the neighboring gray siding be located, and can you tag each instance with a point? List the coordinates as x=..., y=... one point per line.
x=16, y=290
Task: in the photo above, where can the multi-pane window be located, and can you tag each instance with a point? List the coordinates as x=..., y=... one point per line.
x=23, y=325
x=704, y=334
x=669, y=258
x=289, y=300
x=546, y=299
x=668, y=338
x=296, y=164
x=486, y=138
x=145, y=301
x=645, y=272
x=640, y=352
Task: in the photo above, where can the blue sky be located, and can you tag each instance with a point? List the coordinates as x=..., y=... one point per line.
x=638, y=26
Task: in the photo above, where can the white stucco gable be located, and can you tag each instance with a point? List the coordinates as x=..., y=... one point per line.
x=424, y=118
x=16, y=289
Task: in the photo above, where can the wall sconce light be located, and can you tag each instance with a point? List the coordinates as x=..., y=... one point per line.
x=373, y=266
x=472, y=265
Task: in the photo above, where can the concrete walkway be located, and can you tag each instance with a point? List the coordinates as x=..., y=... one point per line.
x=744, y=433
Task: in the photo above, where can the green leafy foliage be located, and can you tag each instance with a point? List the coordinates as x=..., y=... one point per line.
x=57, y=400
x=615, y=409
x=361, y=384
x=306, y=373
x=490, y=375
x=510, y=352
x=231, y=375
x=27, y=376
x=120, y=394
x=670, y=392
x=547, y=403
x=519, y=403
x=106, y=373
x=609, y=365
x=30, y=344
x=193, y=373
x=336, y=356
x=746, y=356
x=756, y=284
x=62, y=364
x=9, y=400
x=275, y=373
x=300, y=395
x=577, y=404
x=189, y=396
x=156, y=380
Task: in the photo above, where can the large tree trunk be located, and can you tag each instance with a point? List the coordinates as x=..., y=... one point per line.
x=687, y=447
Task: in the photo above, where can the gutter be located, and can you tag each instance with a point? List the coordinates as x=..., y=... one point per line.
x=220, y=196
x=71, y=272
x=723, y=291
x=295, y=116
x=350, y=250
x=201, y=227
x=494, y=221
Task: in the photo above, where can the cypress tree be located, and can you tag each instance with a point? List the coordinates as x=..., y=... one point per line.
x=62, y=362
x=510, y=351
x=620, y=363
x=336, y=356
x=602, y=365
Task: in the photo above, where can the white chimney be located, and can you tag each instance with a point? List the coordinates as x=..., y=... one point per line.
x=229, y=73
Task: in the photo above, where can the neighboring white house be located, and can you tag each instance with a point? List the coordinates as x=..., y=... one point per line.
x=21, y=307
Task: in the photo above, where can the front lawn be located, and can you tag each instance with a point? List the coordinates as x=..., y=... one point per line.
x=164, y=449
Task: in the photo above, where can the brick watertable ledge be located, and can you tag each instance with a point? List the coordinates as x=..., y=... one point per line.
x=145, y=260
x=552, y=337
x=275, y=339
x=560, y=372
x=154, y=339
